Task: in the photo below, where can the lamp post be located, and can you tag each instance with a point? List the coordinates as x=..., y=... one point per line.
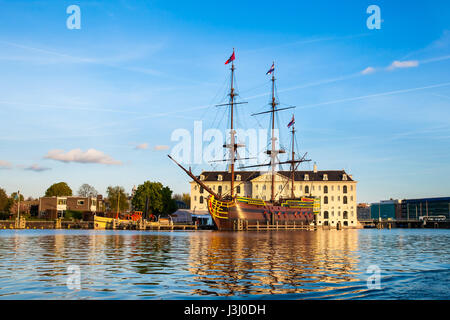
x=18, y=205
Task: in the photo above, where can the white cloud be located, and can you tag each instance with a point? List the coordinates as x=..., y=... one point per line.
x=5, y=164
x=142, y=146
x=368, y=70
x=403, y=64
x=77, y=155
x=161, y=148
x=36, y=168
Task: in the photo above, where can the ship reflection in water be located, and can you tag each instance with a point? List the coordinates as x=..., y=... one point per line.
x=278, y=262
x=209, y=264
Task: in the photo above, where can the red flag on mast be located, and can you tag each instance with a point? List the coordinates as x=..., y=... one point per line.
x=231, y=58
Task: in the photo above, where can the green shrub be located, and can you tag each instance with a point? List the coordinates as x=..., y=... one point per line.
x=73, y=214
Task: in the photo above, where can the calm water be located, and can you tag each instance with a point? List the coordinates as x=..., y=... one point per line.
x=415, y=264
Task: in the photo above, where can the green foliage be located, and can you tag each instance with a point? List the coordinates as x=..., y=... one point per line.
x=160, y=198
x=5, y=202
x=14, y=195
x=73, y=214
x=58, y=190
x=117, y=194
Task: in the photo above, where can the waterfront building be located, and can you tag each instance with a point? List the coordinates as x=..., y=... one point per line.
x=56, y=207
x=413, y=209
x=335, y=188
x=363, y=211
x=385, y=210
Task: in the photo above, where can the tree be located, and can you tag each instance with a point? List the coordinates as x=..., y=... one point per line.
x=14, y=197
x=87, y=190
x=169, y=204
x=58, y=190
x=5, y=202
x=117, y=195
x=186, y=198
x=152, y=190
x=159, y=198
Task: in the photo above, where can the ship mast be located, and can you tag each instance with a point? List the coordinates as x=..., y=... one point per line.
x=232, y=145
x=292, y=162
x=273, y=140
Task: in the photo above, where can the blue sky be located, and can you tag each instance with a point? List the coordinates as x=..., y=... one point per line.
x=138, y=70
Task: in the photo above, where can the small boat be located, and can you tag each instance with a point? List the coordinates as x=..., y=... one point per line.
x=102, y=223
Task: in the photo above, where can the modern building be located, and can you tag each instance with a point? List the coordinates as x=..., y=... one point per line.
x=335, y=188
x=56, y=207
x=413, y=209
x=363, y=211
x=385, y=210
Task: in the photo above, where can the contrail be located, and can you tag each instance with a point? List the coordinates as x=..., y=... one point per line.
x=375, y=95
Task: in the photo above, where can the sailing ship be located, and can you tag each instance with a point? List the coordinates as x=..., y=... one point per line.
x=231, y=212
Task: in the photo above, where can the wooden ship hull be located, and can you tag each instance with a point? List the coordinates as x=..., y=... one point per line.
x=239, y=213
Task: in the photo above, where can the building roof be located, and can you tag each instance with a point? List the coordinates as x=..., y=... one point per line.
x=333, y=175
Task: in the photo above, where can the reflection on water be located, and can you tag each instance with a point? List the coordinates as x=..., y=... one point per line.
x=204, y=264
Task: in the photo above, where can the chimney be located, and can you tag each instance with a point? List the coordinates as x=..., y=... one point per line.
x=315, y=168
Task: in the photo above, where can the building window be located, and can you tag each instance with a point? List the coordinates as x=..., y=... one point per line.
x=325, y=200
x=344, y=177
x=339, y=188
x=306, y=177
x=279, y=187
x=332, y=188
x=339, y=198
x=351, y=188
x=201, y=199
x=351, y=198
x=195, y=198
x=325, y=214
x=238, y=189
x=80, y=202
x=325, y=189
x=219, y=177
x=344, y=199
x=219, y=189
x=325, y=177
x=332, y=198
x=345, y=215
x=238, y=177
x=62, y=201
x=306, y=189
x=320, y=188
x=264, y=188
x=202, y=177
x=201, y=189
x=344, y=189
x=195, y=187
x=256, y=186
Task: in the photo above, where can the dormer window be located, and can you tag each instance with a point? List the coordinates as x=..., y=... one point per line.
x=219, y=177
x=344, y=177
x=238, y=177
x=325, y=177
x=306, y=178
x=202, y=177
